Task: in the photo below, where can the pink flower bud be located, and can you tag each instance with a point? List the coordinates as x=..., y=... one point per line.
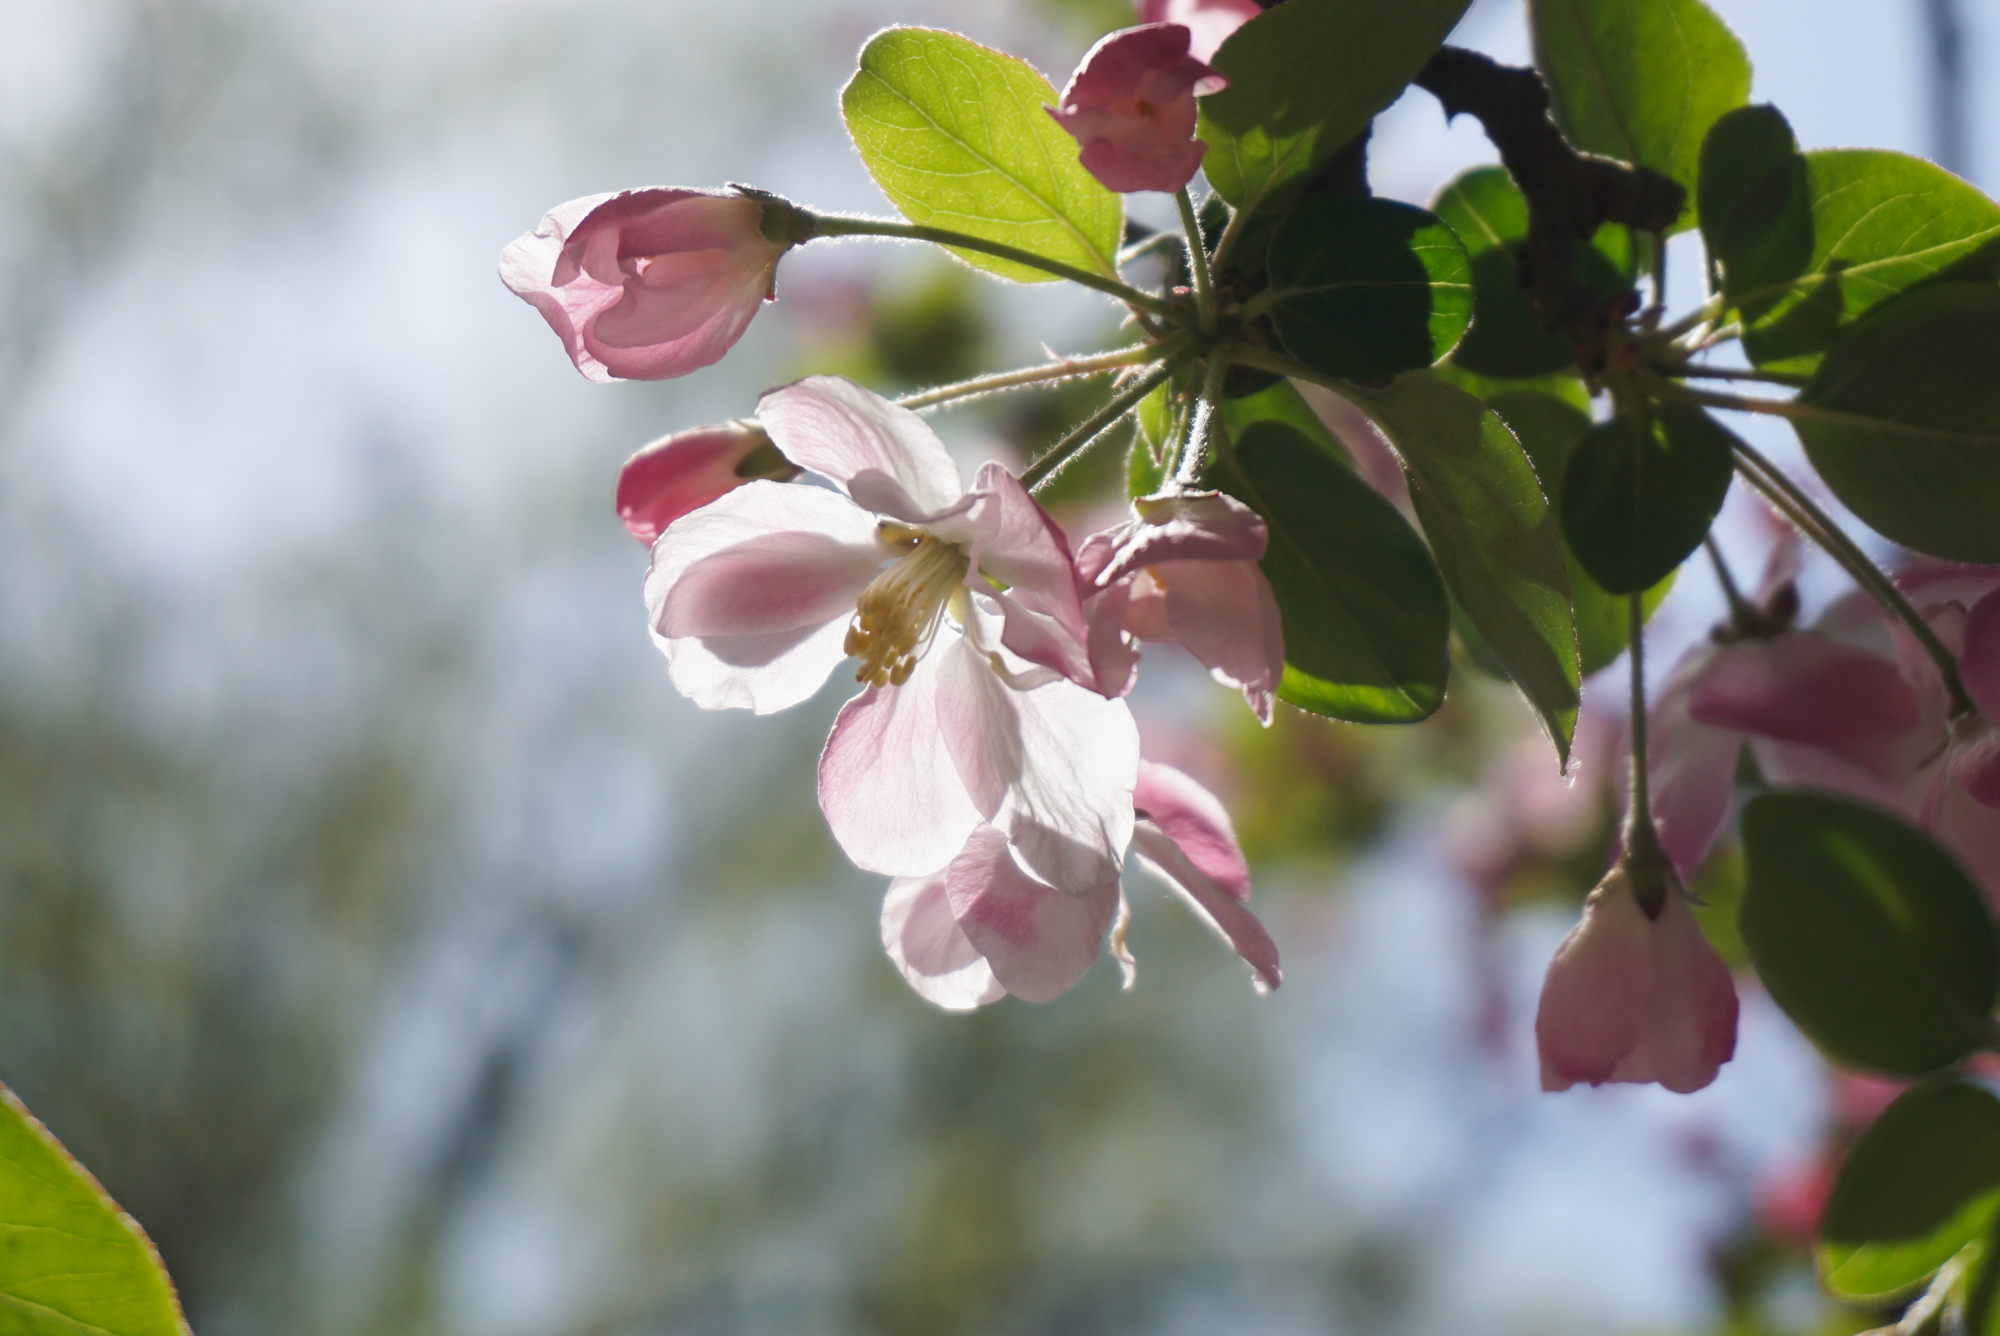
x=1209, y=22
x=1632, y=996
x=684, y=472
x=1130, y=106
x=646, y=284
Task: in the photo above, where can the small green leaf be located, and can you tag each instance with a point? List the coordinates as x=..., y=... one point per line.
x=1282, y=402
x=1921, y=1182
x=1304, y=78
x=1640, y=492
x=1756, y=209
x=956, y=135
x=1913, y=447
x=1491, y=217
x=1872, y=939
x=1569, y=389
x=1490, y=528
x=1549, y=429
x=1364, y=612
x=1879, y=223
x=72, y=1262
x=1639, y=82
x=1365, y=288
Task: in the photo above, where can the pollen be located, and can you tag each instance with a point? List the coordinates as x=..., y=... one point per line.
x=898, y=614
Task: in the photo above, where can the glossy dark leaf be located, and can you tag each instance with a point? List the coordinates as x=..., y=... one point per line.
x=1491, y=217
x=1364, y=611
x=1921, y=1182
x=1640, y=492
x=1913, y=441
x=1365, y=288
x=1873, y=940
x=1494, y=537
x=1304, y=79
x=1756, y=206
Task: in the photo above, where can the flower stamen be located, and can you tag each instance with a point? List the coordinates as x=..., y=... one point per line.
x=898, y=614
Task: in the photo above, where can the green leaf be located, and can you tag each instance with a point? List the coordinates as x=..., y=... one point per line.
x=1549, y=429
x=1876, y=224
x=1490, y=216
x=1756, y=210
x=1365, y=288
x=1912, y=441
x=1364, y=612
x=70, y=1261
x=956, y=135
x=1872, y=939
x=1639, y=82
x=1492, y=533
x=1304, y=79
x=1569, y=389
x=1640, y=492
x=1282, y=402
x=1921, y=1182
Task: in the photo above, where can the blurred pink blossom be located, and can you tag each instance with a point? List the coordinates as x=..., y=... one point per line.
x=1131, y=107
x=684, y=472
x=1209, y=22
x=646, y=284
x=1184, y=569
x=984, y=926
x=966, y=719
x=1634, y=995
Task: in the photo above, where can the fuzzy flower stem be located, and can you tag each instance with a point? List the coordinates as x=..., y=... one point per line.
x=1093, y=426
x=835, y=225
x=1642, y=840
x=1203, y=423
x=1068, y=368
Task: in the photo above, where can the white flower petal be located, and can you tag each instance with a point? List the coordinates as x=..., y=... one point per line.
x=885, y=457
x=931, y=951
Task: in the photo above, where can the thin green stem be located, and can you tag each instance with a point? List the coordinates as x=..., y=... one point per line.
x=1264, y=359
x=1708, y=311
x=1147, y=246
x=1641, y=815
x=1232, y=231
x=1194, y=450
x=1091, y=427
x=1799, y=411
x=1067, y=369
x=1204, y=287
x=838, y=225
x=1794, y=504
x=1741, y=615
x=1736, y=373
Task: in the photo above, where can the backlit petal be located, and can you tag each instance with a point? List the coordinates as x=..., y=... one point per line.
x=930, y=950
x=1037, y=940
x=883, y=456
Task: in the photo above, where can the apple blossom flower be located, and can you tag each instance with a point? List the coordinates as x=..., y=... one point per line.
x=983, y=926
x=1635, y=992
x=966, y=717
x=647, y=284
x=686, y=471
x=1184, y=569
x=1130, y=105
x=1209, y=22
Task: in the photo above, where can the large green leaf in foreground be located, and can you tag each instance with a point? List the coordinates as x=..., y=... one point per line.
x=71, y=1262
x=1640, y=492
x=1365, y=617
x=1304, y=79
x=955, y=134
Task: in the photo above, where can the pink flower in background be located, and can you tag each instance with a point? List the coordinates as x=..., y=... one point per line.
x=1209, y=22
x=1635, y=996
x=1131, y=107
x=966, y=718
x=684, y=472
x=1184, y=569
x=646, y=284
x=983, y=927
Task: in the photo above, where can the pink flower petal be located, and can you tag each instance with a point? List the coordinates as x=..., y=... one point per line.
x=1052, y=768
x=1187, y=526
x=1013, y=540
x=1975, y=767
x=883, y=456
x=749, y=597
x=1218, y=908
x=1226, y=615
x=887, y=785
x=1690, y=1024
x=1979, y=661
x=646, y=284
x=1209, y=22
x=1199, y=826
x=1037, y=940
x=1691, y=766
x=1595, y=996
x=1131, y=107
x=930, y=950
x=682, y=473
x=1806, y=687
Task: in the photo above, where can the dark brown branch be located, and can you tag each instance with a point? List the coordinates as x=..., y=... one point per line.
x=1570, y=194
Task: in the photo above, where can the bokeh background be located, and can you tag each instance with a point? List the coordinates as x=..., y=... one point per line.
x=398, y=947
